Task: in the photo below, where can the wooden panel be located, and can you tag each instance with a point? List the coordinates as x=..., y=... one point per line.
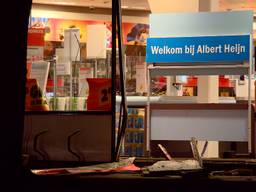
x=174, y=148
x=90, y=136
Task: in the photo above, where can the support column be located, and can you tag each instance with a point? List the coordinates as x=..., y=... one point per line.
x=172, y=6
x=173, y=88
x=169, y=6
x=208, y=86
x=208, y=89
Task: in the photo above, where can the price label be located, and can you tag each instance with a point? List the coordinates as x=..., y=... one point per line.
x=99, y=97
x=105, y=98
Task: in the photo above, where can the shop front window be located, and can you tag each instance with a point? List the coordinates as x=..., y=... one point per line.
x=67, y=60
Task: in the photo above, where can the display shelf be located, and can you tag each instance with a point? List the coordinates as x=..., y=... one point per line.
x=210, y=69
x=133, y=149
x=134, y=139
x=134, y=144
x=135, y=129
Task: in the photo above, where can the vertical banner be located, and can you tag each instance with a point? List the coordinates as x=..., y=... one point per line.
x=35, y=43
x=96, y=41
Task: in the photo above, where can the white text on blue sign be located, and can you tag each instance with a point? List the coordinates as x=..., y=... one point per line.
x=198, y=49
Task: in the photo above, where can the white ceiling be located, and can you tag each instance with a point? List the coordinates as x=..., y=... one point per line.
x=237, y=5
x=143, y=4
x=126, y=4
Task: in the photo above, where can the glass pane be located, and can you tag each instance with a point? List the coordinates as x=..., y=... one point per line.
x=134, y=140
x=71, y=71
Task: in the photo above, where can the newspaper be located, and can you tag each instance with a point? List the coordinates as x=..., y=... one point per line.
x=173, y=165
x=121, y=166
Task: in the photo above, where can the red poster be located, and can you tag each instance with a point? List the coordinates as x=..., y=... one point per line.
x=99, y=97
x=35, y=37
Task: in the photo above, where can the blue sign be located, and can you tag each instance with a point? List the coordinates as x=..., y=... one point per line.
x=198, y=49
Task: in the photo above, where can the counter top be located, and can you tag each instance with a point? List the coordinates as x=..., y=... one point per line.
x=142, y=100
x=198, y=106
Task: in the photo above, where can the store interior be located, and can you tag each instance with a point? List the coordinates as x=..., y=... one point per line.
x=70, y=69
x=56, y=16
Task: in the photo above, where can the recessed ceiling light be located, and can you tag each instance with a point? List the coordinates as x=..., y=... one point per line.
x=65, y=3
x=141, y=8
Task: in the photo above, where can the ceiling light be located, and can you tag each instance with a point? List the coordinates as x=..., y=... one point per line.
x=141, y=8
x=64, y=3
